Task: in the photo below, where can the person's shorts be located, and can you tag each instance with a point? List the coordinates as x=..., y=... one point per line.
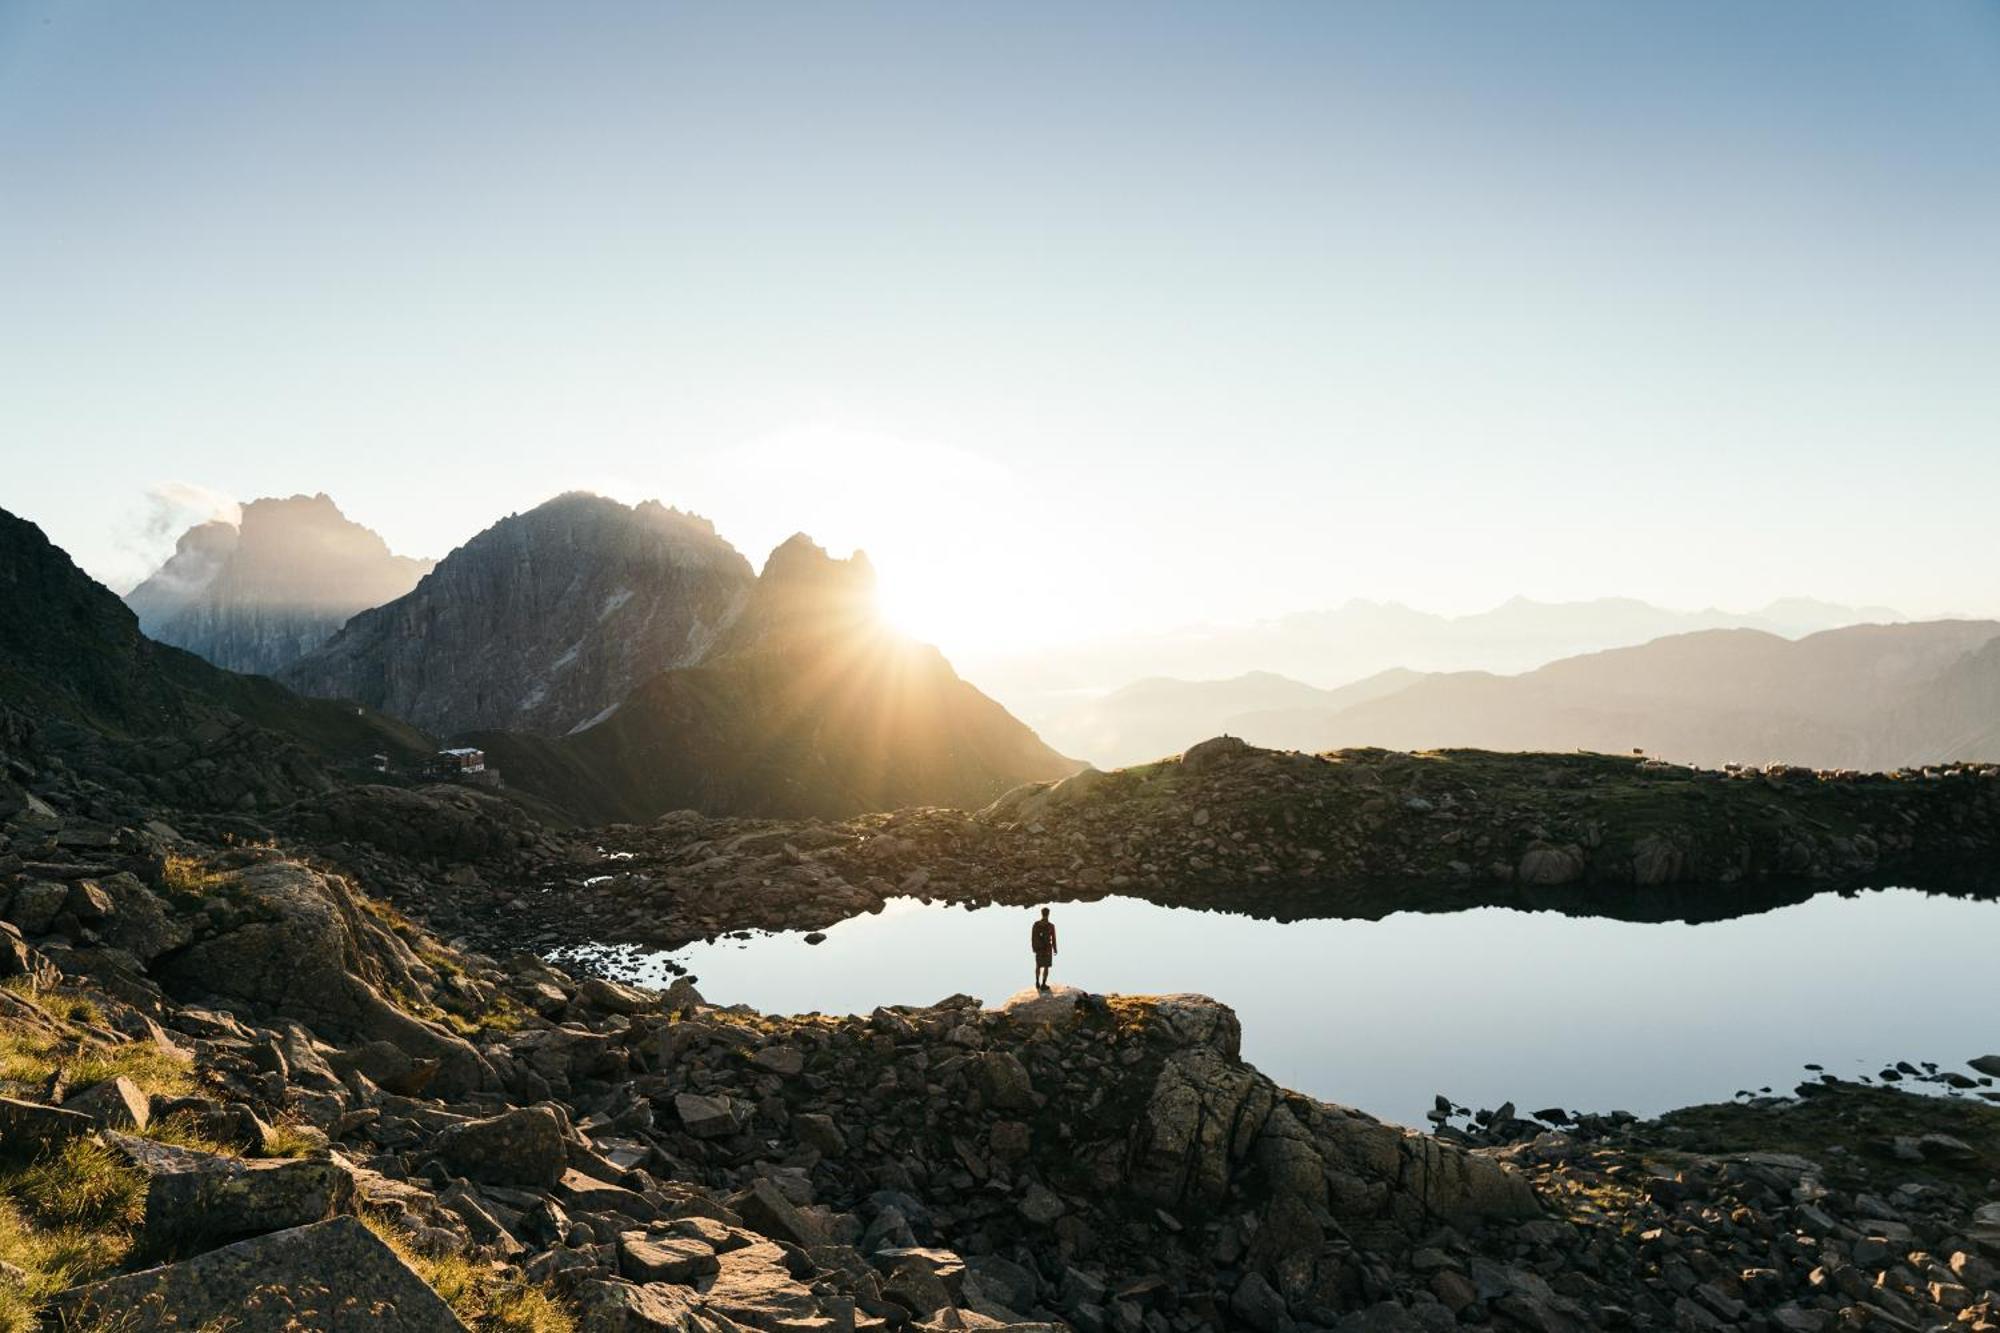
x=1044, y=958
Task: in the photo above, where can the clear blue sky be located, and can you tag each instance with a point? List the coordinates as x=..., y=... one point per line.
x=1076, y=316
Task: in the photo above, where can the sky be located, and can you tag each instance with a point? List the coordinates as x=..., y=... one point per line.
x=1082, y=320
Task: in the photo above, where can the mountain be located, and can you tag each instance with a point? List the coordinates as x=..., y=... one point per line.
x=809, y=706
x=258, y=594
x=1362, y=638
x=1150, y=719
x=542, y=622
x=76, y=671
x=1867, y=696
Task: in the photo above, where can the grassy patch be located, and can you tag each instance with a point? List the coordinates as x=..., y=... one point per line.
x=486, y=1300
x=189, y=876
x=183, y=1131
x=53, y=1259
x=32, y=1056
x=291, y=1140
x=83, y=1184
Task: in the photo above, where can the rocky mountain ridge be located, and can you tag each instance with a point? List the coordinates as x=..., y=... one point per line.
x=542, y=623
x=256, y=595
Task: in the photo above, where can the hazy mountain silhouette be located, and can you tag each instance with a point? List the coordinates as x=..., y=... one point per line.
x=1151, y=718
x=1053, y=689
x=542, y=622
x=75, y=666
x=1867, y=696
x=809, y=705
x=259, y=594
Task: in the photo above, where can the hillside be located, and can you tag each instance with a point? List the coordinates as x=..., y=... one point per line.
x=76, y=669
x=256, y=595
x=541, y=622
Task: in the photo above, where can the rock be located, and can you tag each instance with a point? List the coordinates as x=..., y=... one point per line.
x=1003, y=1080
x=706, y=1117
x=19, y=960
x=139, y=922
x=296, y=943
x=614, y=997
x=40, y=1126
x=1041, y=1205
x=1986, y=1064
x=198, y=1197
x=37, y=904
x=754, y=1286
x=1217, y=752
x=767, y=1211
x=1549, y=865
x=1059, y=1006
x=1656, y=860
x=388, y=1066
x=922, y=1281
x=609, y=1306
x=784, y=1061
x=1257, y=1303
x=818, y=1132
x=331, y=1277
x=644, y=1258
x=521, y=1147
x=115, y=1103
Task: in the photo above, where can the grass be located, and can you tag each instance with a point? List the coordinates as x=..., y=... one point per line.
x=189, y=876
x=31, y=1056
x=487, y=1301
x=66, y=1217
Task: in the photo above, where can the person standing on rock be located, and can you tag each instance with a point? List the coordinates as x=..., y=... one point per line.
x=1043, y=939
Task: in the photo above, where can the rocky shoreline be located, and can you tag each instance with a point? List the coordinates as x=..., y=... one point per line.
x=1229, y=827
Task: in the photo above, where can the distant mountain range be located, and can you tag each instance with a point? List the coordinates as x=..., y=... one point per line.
x=1057, y=691
x=621, y=661
x=1866, y=696
x=258, y=594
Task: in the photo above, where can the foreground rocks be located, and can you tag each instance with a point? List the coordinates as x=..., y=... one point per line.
x=295, y=1108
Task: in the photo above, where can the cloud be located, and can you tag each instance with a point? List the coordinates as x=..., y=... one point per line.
x=147, y=534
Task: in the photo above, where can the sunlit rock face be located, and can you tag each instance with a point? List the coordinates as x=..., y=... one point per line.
x=257, y=595
x=543, y=623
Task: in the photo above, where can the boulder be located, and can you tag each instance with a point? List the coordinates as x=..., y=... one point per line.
x=1003, y=1080
x=645, y=1258
x=523, y=1147
x=617, y=998
x=1549, y=865
x=768, y=1212
x=332, y=1277
x=298, y=943
x=204, y=1197
x=706, y=1117
x=116, y=1103
x=34, y=1126
x=1216, y=752
x=37, y=904
x=1986, y=1064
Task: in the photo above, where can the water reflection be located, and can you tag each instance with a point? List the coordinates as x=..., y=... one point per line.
x=1483, y=1004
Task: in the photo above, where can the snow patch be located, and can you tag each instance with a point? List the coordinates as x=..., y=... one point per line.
x=614, y=601
x=588, y=724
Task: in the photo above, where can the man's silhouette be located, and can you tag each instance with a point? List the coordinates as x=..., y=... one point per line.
x=1043, y=938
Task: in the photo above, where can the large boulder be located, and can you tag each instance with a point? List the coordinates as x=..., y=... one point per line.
x=199, y=1197
x=296, y=944
x=523, y=1147
x=139, y=922
x=331, y=1277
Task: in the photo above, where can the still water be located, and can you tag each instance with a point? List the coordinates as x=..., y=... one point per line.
x=1483, y=1005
